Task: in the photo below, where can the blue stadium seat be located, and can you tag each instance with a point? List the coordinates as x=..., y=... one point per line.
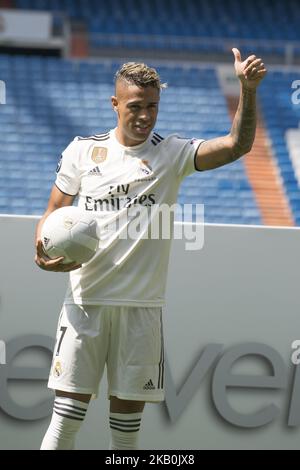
x=280, y=115
x=165, y=21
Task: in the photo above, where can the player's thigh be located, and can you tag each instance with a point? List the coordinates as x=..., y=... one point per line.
x=74, y=396
x=125, y=406
x=80, y=350
x=136, y=354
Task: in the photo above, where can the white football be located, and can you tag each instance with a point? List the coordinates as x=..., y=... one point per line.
x=72, y=233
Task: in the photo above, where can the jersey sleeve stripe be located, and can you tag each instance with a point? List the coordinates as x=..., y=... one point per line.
x=73, y=195
x=196, y=156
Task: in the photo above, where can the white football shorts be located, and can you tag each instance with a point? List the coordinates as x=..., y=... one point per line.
x=128, y=340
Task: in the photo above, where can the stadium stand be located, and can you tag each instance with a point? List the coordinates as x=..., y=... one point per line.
x=50, y=100
x=293, y=143
x=177, y=24
x=281, y=115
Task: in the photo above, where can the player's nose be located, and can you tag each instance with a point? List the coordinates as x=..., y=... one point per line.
x=144, y=115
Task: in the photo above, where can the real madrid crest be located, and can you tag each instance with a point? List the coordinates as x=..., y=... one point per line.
x=145, y=168
x=57, y=370
x=146, y=162
x=99, y=154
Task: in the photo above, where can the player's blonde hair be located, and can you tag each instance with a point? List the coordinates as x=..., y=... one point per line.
x=139, y=74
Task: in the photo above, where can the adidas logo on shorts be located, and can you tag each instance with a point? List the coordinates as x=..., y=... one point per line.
x=149, y=386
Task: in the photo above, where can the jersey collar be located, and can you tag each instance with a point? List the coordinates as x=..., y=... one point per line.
x=135, y=148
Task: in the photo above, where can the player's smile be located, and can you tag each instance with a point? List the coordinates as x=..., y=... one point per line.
x=143, y=129
x=137, y=110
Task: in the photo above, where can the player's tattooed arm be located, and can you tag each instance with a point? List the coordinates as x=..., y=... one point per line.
x=214, y=153
x=244, y=124
x=222, y=150
x=217, y=152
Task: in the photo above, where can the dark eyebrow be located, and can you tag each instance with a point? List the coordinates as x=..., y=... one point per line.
x=139, y=102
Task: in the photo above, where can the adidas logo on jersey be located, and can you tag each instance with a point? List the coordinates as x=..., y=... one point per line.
x=95, y=172
x=149, y=385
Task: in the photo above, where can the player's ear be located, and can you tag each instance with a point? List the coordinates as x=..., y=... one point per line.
x=114, y=103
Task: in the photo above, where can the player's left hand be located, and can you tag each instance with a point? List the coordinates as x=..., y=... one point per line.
x=251, y=71
x=47, y=264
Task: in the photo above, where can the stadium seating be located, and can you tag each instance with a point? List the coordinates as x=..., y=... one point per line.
x=49, y=101
x=181, y=19
x=281, y=115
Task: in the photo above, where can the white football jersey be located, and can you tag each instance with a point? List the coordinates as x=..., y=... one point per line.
x=119, y=185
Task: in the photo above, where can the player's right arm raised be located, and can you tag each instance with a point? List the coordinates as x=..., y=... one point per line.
x=57, y=199
x=222, y=150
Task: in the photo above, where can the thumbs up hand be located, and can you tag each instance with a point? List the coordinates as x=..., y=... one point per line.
x=250, y=71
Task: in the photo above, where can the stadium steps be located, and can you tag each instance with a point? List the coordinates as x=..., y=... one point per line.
x=7, y=4
x=264, y=176
x=282, y=115
x=79, y=43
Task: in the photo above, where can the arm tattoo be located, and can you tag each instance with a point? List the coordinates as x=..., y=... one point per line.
x=222, y=150
x=244, y=124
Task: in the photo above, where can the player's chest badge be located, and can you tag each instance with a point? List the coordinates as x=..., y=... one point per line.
x=145, y=168
x=99, y=154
